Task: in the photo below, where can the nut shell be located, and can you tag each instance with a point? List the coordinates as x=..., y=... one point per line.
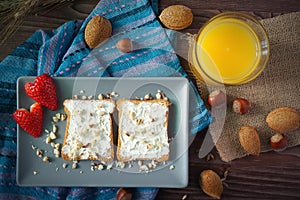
x=216, y=98
x=283, y=119
x=176, y=17
x=241, y=106
x=124, y=194
x=97, y=30
x=249, y=140
x=278, y=142
x=211, y=183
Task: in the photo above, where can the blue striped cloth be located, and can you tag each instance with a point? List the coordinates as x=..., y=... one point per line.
x=63, y=52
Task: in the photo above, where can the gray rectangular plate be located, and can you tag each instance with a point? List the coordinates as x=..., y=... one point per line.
x=172, y=174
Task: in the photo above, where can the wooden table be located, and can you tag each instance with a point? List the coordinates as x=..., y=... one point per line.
x=271, y=175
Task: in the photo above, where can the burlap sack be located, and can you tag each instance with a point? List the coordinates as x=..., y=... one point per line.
x=277, y=86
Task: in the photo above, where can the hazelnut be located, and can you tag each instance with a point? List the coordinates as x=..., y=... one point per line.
x=216, y=98
x=278, y=142
x=124, y=194
x=125, y=45
x=241, y=106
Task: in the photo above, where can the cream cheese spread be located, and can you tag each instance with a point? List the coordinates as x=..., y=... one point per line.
x=89, y=129
x=143, y=130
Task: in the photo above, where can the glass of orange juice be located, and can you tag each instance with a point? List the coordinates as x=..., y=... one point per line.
x=232, y=48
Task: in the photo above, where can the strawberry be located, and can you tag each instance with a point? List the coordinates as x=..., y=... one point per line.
x=31, y=122
x=43, y=91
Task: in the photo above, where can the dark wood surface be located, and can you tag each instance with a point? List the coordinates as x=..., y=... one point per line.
x=271, y=175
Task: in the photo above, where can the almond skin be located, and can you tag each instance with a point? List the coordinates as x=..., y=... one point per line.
x=97, y=30
x=211, y=183
x=249, y=140
x=176, y=17
x=283, y=119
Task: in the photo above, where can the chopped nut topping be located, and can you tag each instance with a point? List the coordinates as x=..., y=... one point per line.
x=52, y=136
x=74, y=165
x=120, y=164
x=90, y=97
x=39, y=153
x=56, y=152
x=172, y=167
x=131, y=137
x=81, y=91
x=57, y=115
x=131, y=115
x=63, y=117
x=139, y=121
x=54, y=128
x=100, y=97
x=33, y=147
x=149, y=146
x=84, y=97
x=159, y=144
x=47, y=131
x=52, y=144
x=100, y=167
x=46, y=159
x=147, y=97
x=64, y=165
x=158, y=95
x=48, y=140
x=140, y=163
x=35, y=172
x=75, y=96
x=55, y=119
x=57, y=145
x=150, y=165
x=144, y=168
x=114, y=94
x=153, y=163
x=100, y=113
x=109, y=167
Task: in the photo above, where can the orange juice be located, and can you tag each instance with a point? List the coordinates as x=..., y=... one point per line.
x=227, y=50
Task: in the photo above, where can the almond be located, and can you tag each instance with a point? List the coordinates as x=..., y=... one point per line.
x=176, y=17
x=211, y=183
x=249, y=140
x=283, y=119
x=97, y=30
